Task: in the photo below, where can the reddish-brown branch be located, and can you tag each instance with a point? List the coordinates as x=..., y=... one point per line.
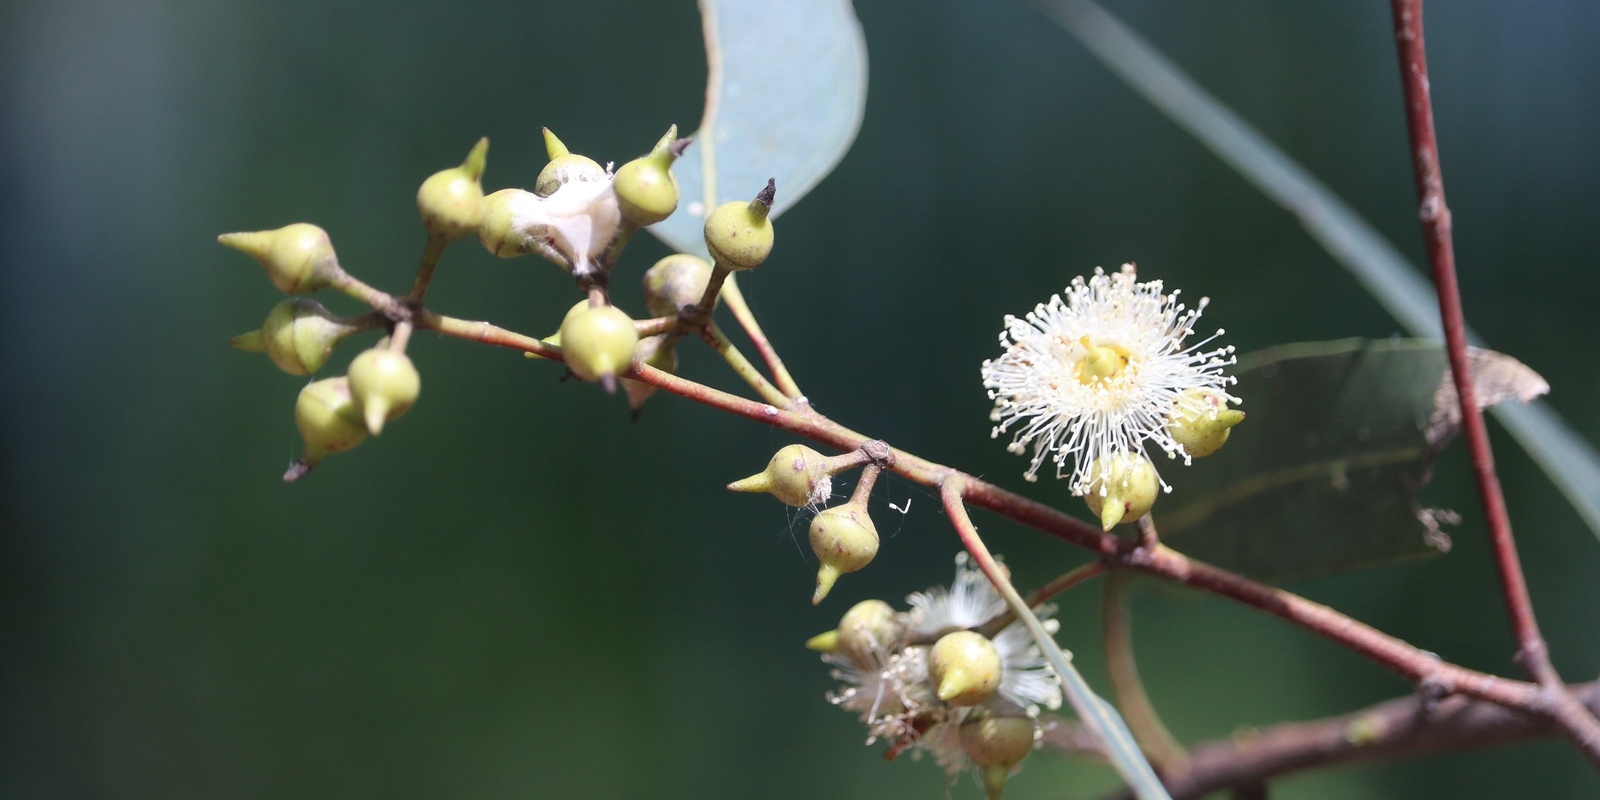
x=1532, y=652
x=1407, y=727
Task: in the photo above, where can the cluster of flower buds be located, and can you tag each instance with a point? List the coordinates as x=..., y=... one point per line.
x=843, y=537
x=926, y=680
x=580, y=214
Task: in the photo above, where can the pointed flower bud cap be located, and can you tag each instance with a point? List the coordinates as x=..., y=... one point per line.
x=1122, y=488
x=674, y=282
x=845, y=540
x=646, y=189
x=1201, y=421
x=385, y=385
x=965, y=668
x=997, y=744
x=870, y=629
x=298, y=335
x=797, y=475
x=826, y=642
x=739, y=234
x=298, y=258
x=451, y=201
x=328, y=419
x=565, y=167
x=598, y=342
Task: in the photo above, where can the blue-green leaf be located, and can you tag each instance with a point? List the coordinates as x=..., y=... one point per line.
x=785, y=92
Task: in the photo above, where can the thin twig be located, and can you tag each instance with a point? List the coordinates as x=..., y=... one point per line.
x=1043, y=594
x=1116, y=629
x=1532, y=652
x=1406, y=727
x=430, y=262
x=733, y=298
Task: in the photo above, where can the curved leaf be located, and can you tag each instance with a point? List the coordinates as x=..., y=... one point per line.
x=786, y=88
x=1324, y=475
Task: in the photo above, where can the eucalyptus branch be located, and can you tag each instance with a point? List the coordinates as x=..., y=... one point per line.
x=1405, y=727
x=430, y=262
x=725, y=347
x=1043, y=594
x=1116, y=631
x=1532, y=652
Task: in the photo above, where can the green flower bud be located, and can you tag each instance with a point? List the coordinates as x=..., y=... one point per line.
x=674, y=282
x=997, y=744
x=646, y=189
x=845, y=540
x=1122, y=490
x=965, y=668
x=298, y=258
x=739, y=235
x=796, y=475
x=385, y=384
x=451, y=201
x=328, y=419
x=598, y=342
x=655, y=352
x=298, y=335
x=1201, y=420
x=496, y=229
x=824, y=642
x=868, y=630
x=565, y=167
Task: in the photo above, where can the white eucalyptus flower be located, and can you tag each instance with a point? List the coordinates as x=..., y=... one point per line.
x=1101, y=372
x=578, y=221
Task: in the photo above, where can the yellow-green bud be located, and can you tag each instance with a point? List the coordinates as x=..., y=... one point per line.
x=298, y=258
x=739, y=235
x=646, y=189
x=674, y=282
x=564, y=167
x=598, y=342
x=298, y=335
x=495, y=228
x=845, y=540
x=996, y=744
x=385, y=384
x=797, y=475
x=1123, y=489
x=328, y=419
x=451, y=201
x=965, y=668
x=824, y=642
x=1201, y=420
x=653, y=351
x=867, y=631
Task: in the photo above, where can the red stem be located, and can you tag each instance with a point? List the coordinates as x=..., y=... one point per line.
x=1532, y=652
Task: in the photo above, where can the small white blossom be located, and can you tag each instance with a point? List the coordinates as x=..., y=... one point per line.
x=969, y=602
x=1099, y=373
x=578, y=220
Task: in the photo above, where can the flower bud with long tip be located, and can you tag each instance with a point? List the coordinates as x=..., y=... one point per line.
x=739, y=234
x=565, y=167
x=1122, y=488
x=451, y=201
x=598, y=342
x=299, y=334
x=1201, y=421
x=385, y=385
x=646, y=189
x=843, y=537
x=298, y=258
x=965, y=668
x=329, y=422
x=997, y=743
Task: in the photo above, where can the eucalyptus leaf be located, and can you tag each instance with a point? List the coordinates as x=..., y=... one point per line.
x=786, y=89
x=1324, y=474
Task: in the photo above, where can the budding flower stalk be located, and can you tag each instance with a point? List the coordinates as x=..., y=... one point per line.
x=385, y=385
x=646, y=189
x=739, y=234
x=845, y=540
x=598, y=342
x=1122, y=488
x=451, y=201
x=298, y=335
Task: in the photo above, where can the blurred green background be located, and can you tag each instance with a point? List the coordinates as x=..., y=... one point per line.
x=515, y=592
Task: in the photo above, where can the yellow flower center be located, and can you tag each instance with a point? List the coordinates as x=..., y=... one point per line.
x=1100, y=362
